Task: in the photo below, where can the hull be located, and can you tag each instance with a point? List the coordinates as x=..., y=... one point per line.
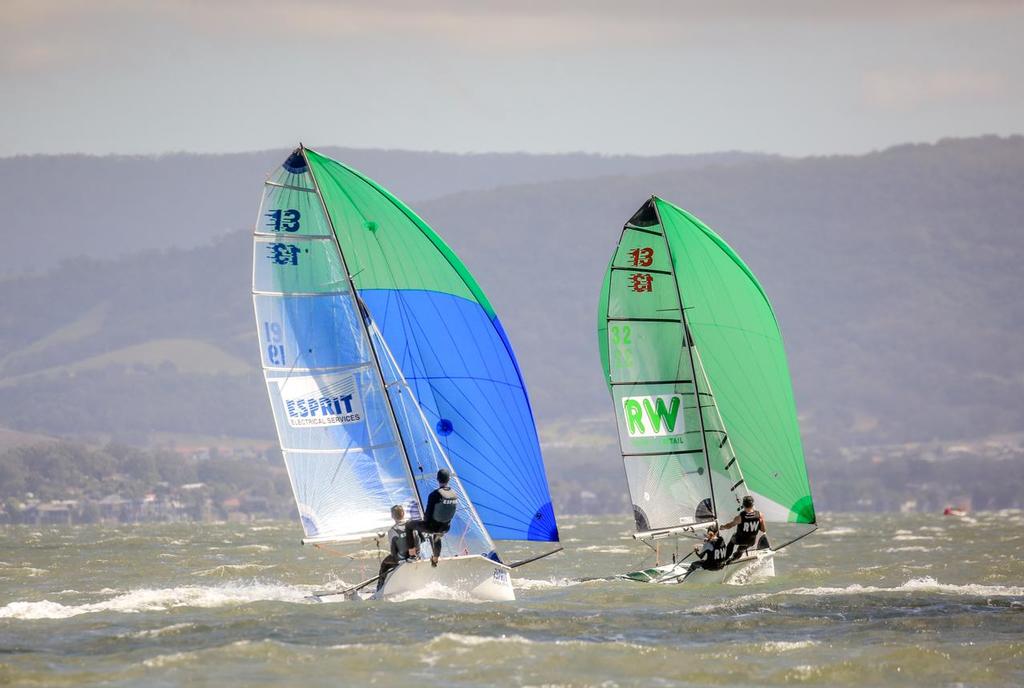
x=748, y=568
x=473, y=577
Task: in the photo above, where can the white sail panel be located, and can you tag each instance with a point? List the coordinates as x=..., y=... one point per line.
x=309, y=332
x=290, y=204
x=343, y=494
x=322, y=273
x=344, y=457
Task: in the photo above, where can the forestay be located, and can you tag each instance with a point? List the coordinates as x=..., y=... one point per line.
x=693, y=358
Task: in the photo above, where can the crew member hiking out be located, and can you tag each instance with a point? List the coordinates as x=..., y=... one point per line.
x=711, y=551
x=438, y=515
x=748, y=524
x=399, y=551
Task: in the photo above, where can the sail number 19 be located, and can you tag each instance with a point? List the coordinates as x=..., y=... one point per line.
x=274, y=342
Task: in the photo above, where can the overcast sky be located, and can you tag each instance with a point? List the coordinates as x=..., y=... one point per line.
x=821, y=76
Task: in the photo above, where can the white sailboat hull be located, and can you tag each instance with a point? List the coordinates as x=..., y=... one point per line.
x=473, y=577
x=751, y=567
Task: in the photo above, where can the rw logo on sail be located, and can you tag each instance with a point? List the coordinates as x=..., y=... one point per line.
x=653, y=416
x=312, y=401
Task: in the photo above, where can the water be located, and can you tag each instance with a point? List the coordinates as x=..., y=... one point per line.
x=868, y=600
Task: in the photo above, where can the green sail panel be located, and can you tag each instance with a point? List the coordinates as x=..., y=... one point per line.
x=671, y=275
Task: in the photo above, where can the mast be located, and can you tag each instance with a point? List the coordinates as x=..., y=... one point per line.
x=693, y=368
x=363, y=314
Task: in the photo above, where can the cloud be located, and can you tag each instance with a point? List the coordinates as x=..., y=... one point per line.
x=37, y=28
x=909, y=89
x=38, y=36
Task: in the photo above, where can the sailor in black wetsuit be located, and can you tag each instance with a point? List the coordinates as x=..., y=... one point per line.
x=711, y=552
x=749, y=523
x=396, y=541
x=438, y=515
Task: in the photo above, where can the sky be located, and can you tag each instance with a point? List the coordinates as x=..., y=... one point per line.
x=805, y=77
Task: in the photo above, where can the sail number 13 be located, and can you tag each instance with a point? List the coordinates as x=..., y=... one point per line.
x=287, y=220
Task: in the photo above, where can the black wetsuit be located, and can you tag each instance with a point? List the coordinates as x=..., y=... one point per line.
x=440, y=510
x=746, y=533
x=712, y=555
x=399, y=551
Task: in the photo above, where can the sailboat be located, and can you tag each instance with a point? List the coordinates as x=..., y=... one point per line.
x=385, y=362
x=693, y=358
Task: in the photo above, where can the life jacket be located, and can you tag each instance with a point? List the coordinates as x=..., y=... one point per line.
x=396, y=538
x=716, y=557
x=749, y=525
x=444, y=510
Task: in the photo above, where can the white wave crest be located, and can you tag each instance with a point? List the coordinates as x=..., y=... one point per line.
x=787, y=645
x=925, y=584
x=158, y=632
x=159, y=599
x=535, y=584
x=476, y=640
x=225, y=569
x=470, y=641
x=604, y=549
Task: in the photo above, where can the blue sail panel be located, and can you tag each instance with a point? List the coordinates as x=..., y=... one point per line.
x=465, y=377
x=467, y=534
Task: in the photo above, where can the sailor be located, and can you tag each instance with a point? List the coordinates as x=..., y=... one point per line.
x=396, y=539
x=748, y=524
x=711, y=552
x=438, y=515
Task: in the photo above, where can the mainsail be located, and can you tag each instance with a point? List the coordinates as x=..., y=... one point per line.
x=693, y=357
x=384, y=362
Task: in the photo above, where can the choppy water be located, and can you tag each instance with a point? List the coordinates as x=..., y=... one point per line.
x=868, y=600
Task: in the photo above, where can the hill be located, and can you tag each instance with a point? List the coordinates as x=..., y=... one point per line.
x=895, y=276
x=112, y=206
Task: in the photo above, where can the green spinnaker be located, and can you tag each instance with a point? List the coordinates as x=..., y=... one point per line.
x=671, y=274
x=389, y=246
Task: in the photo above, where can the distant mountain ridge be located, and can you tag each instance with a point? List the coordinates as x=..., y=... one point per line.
x=895, y=276
x=112, y=206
